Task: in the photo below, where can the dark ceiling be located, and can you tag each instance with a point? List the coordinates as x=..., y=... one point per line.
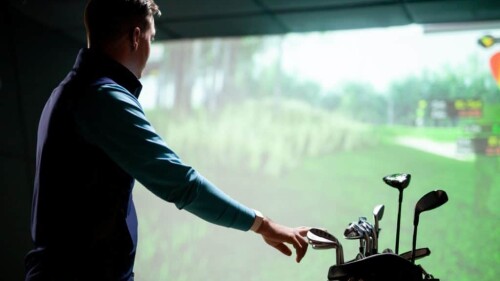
x=213, y=18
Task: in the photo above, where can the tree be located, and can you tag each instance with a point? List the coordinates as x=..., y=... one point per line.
x=362, y=103
x=469, y=80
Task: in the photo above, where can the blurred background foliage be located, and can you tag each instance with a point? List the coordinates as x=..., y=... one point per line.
x=310, y=155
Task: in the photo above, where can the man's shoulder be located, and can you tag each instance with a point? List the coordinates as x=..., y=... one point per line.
x=106, y=92
x=106, y=84
x=100, y=81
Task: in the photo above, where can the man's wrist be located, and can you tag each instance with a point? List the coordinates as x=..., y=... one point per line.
x=259, y=218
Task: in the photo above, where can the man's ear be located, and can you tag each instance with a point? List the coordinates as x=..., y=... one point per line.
x=136, y=35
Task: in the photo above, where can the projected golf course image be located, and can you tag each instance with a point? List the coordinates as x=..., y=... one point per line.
x=310, y=154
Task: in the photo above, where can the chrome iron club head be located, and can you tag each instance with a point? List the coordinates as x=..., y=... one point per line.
x=354, y=232
x=378, y=213
x=368, y=232
x=320, y=239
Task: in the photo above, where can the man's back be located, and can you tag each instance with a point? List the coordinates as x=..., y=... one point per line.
x=83, y=218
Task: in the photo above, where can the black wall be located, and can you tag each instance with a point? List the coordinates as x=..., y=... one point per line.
x=33, y=59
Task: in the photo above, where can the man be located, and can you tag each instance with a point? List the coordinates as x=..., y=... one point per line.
x=94, y=141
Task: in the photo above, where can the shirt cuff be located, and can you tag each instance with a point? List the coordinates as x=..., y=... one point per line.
x=259, y=218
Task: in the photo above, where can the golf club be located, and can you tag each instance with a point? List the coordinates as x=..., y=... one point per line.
x=400, y=182
x=378, y=213
x=428, y=202
x=354, y=233
x=321, y=239
x=366, y=229
x=370, y=229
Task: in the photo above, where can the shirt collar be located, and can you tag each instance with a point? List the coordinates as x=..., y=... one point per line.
x=97, y=64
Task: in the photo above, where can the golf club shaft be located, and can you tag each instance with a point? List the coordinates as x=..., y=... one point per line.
x=414, y=244
x=399, y=221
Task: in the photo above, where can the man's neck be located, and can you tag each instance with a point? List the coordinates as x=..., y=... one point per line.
x=117, y=50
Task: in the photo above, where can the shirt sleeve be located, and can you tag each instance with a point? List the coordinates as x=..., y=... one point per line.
x=113, y=119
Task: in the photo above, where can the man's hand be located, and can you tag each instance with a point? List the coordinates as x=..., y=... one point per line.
x=277, y=235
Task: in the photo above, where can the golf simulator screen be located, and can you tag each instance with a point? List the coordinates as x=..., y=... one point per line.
x=304, y=127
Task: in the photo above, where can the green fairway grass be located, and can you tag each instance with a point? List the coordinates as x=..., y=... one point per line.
x=327, y=191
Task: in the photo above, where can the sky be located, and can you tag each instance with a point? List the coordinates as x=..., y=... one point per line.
x=378, y=56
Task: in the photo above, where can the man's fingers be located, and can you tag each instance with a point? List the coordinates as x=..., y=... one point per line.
x=303, y=230
x=300, y=245
x=283, y=248
x=280, y=236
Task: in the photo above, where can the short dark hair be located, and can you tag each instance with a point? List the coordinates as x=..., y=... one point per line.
x=106, y=20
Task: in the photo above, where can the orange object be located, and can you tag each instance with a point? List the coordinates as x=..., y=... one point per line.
x=495, y=67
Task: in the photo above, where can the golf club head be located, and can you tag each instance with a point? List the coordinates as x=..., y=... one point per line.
x=429, y=201
x=370, y=231
x=364, y=220
x=378, y=213
x=366, y=231
x=321, y=239
x=399, y=181
x=369, y=228
x=352, y=232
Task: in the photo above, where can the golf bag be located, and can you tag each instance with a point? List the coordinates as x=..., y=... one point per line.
x=379, y=267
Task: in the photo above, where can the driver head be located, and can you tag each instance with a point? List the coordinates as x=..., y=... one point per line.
x=399, y=181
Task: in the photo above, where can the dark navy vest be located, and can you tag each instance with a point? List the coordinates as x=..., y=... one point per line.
x=84, y=225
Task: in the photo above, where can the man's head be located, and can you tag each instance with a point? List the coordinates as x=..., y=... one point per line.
x=122, y=28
